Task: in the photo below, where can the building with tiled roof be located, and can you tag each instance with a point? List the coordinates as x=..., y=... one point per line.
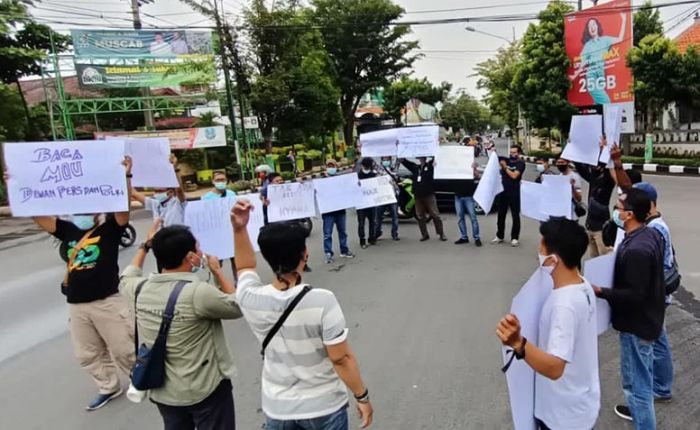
x=690, y=36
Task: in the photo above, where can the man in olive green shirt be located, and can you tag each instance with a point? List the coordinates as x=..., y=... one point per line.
x=198, y=366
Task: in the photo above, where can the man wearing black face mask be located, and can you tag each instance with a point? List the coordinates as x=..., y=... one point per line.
x=511, y=175
x=102, y=337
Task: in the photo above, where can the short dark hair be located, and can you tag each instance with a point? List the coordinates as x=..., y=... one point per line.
x=172, y=244
x=565, y=238
x=282, y=244
x=219, y=172
x=634, y=175
x=272, y=175
x=638, y=202
x=542, y=158
x=518, y=147
x=367, y=163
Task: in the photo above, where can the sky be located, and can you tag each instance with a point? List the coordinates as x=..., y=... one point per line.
x=449, y=51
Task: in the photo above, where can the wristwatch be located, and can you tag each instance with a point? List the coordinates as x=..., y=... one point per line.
x=520, y=355
x=146, y=246
x=129, y=175
x=364, y=397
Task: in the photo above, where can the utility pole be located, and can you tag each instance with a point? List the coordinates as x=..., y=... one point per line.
x=225, y=65
x=145, y=91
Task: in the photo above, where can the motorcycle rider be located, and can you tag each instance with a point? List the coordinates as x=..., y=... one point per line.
x=424, y=190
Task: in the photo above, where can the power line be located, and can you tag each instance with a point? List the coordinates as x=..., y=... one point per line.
x=495, y=6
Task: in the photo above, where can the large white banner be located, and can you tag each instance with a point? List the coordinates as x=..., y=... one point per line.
x=62, y=178
x=454, y=162
x=151, y=158
x=419, y=141
x=382, y=143
x=338, y=192
x=490, y=184
x=291, y=201
x=377, y=191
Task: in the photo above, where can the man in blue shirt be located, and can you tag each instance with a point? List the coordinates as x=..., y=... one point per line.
x=221, y=191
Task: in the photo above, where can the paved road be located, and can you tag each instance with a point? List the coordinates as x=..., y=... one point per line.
x=421, y=316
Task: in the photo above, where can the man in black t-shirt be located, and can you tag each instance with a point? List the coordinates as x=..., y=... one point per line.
x=424, y=190
x=511, y=175
x=100, y=323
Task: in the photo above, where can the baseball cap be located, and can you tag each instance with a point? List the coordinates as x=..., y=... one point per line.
x=647, y=188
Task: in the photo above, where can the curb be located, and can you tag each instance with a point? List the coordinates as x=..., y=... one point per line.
x=648, y=168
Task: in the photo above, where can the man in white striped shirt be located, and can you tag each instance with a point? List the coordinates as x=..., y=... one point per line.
x=308, y=365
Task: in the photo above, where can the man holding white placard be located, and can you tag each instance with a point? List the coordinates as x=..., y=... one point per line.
x=565, y=356
x=100, y=329
x=167, y=204
x=335, y=218
x=424, y=190
x=512, y=170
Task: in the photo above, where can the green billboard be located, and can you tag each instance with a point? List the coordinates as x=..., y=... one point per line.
x=140, y=44
x=146, y=75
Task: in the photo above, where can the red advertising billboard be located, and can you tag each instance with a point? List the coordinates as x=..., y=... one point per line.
x=597, y=42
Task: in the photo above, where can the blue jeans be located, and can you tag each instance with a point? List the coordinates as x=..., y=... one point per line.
x=335, y=421
x=394, y=213
x=465, y=206
x=663, y=366
x=329, y=220
x=637, y=369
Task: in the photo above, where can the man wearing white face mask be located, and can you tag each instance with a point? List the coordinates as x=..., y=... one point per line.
x=565, y=359
x=197, y=391
x=168, y=204
x=100, y=327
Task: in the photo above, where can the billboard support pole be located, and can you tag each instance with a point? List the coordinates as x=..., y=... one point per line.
x=145, y=92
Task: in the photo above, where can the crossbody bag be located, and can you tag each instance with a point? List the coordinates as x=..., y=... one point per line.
x=149, y=369
x=275, y=328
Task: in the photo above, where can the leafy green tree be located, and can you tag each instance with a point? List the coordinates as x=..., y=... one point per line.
x=690, y=78
x=465, y=112
x=496, y=77
x=366, y=51
x=401, y=91
x=656, y=65
x=645, y=22
x=291, y=88
x=540, y=83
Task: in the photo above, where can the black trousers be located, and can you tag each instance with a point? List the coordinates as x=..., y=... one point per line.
x=216, y=412
x=369, y=216
x=509, y=201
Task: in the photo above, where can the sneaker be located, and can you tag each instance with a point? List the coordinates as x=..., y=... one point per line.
x=497, y=240
x=395, y=238
x=328, y=259
x=477, y=242
x=348, y=255
x=461, y=241
x=663, y=399
x=102, y=399
x=307, y=269
x=424, y=238
x=443, y=238
x=623, y=412
x=363, y=246
x=514, y=242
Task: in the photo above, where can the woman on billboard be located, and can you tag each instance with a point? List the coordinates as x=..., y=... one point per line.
x=592, y=59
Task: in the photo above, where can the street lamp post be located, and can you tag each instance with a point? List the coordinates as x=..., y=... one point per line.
x=474, y=30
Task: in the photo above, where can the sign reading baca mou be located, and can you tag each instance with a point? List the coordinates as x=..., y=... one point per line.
x=140, y=43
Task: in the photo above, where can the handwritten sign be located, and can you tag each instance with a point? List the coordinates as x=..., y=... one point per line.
x=151, y=158
x=490, y=184
x=210, y=222
x=419, y=141
x=62, y=178
x=454, y=162
x=337, y=192
x=586, y=131
x=377, y=191
x=291, y=201
x=382, y=143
